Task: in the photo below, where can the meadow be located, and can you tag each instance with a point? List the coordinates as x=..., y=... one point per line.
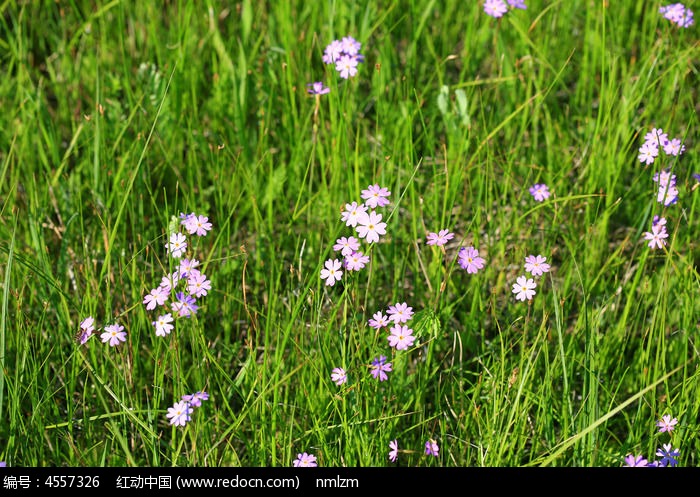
x=334, y=233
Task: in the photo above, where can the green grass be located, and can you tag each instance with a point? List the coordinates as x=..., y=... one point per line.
x=119, y=116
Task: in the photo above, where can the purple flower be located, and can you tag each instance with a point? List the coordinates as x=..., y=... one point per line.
x=400, y=312
x=87, y=327
x=635, y=461
x=468, y=258
x=317, y=88
x=338, y=376
x=158, y=296
x=656, y=137
x=113, y=334
x=356, y=261
x=305, y=461
x=495, y=8
x=351, y=214
x=439, y=239
x=380, y=368
x=401, y=337
x=162, y=325
x=658, y=234
x=179, y=413
x=332, y=272
x=431, y=448
x=668, y=455
x=517, y=4
x=187, y=266
x=185, y=305
x=378, y=320
x=198, y=284
x=195, y=224
x=332, y=52
x=648, y=153
x=350, y=45
x=524, y=288
x=195, y=399
x=678, y=14
x=177, y=245
x=394, y=452
x=536, y=266
x=346, y=66
x=375, y=196
x=674, y=147
x=666, y=423
x=369, y=226
x=540, y=191
x=346, y=245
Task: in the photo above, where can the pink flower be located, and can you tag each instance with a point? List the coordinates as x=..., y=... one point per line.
x=439, y=239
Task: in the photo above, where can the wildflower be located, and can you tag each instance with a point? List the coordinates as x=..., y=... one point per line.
x=656, y=138
x=356, y=261
x=177, y=245
x=648, y=153
x=667, y=195
x=378, y=320
x=346, y=66
x=540, y=191
x=87, y=327
x=401, y=337
x=658, y=234
x=668, y=455
x=674, y=147
x=635, y=461
x=678, y=14
x=338, y=376
x=536, y=265
x=468, y=258
x=431, y=448
x=198, y=285
x=113, y=334
x=370, y=226
x=394, y=452
x=346, y=245
x=666, y=423
x=179, y=413
x=332, y=52
x=517, y=4
x=376, y=196
x=380, y=368
x=187, y=266
x=351, y=214
x=158, y=296
x=317, y=88
x=162, y=325
x=350, y=45
x=169, y=281
x=332, y=272
x=524, y=288
x=305, y=460
x=185, y=305
x=664, y=178
x=187, y=220
x=495, y=8
x=440, y=238
x=195, y=399
x=199, y=225
x=3, y=464
x=400, y=312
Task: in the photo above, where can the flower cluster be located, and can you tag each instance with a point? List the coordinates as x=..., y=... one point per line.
x=657, y=236
x=187, y=283
x=345, y=54
x=668, y=192
x=181, y=411
x=113, y=334
x=668, y=456
x=367, y=224
x=657, y=140
x=497, y=8
x=678, y=14
x=524, y=287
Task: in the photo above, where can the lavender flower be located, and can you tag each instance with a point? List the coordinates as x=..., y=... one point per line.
x=317, y=88
x=380, y=368
x=305, y=461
